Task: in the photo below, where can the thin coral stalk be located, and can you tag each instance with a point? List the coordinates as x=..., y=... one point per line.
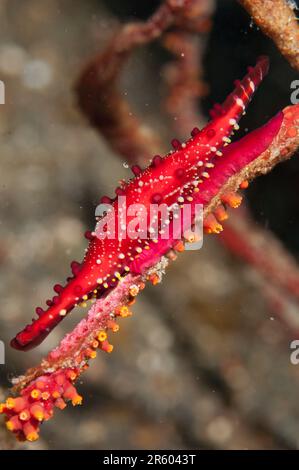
x=277, y=19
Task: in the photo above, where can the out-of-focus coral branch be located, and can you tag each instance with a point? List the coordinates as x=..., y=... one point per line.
x=259, y=248
x=183, y=77
x=97, y=90
x=278, y=271
x=283, y=306
x=277, y=19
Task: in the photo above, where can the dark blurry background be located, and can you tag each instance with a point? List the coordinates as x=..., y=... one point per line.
x=203, y=362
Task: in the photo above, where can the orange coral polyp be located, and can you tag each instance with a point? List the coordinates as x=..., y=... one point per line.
x=25, y=413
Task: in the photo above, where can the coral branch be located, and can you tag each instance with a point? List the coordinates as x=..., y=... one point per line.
x=36, y=403
x=277, y=272
x=277, y=19
x=75, y=350
x=51, y=384
x=259, y=248
x=182, y=78
x=97, y=91
x=283, y=146
x=283, y=306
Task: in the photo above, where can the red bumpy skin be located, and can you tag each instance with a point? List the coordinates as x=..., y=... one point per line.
x=181, y=176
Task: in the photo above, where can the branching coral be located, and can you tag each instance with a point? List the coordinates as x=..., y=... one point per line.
x=203, y=170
